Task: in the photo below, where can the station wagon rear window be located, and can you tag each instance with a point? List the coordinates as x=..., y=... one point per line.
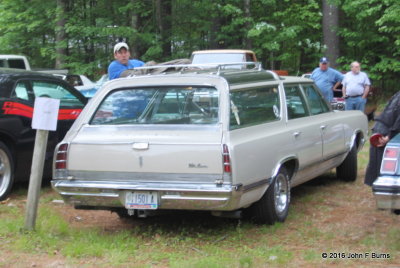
x=159, y=105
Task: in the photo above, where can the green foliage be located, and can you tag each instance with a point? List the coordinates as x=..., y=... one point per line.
x=370, y=34
x=284, y=34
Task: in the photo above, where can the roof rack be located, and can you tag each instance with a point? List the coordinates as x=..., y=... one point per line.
x=182, y=67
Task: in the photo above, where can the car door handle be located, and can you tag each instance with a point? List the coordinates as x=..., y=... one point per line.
x=140, y=145
x=323, y=127
x=297, y=133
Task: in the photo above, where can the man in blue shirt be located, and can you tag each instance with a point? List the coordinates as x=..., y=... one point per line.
x=122, y=61
x=327, y=79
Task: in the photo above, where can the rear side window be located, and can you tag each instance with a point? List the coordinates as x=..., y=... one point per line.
x=159, y=105
x=315, y=100
x=295, y=103
x=254, y=106
x=55, y=91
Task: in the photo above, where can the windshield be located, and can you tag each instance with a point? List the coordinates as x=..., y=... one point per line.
x=159, y=105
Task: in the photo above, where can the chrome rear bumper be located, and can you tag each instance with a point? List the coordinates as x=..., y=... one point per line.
x=189, y=196
x=387, y=192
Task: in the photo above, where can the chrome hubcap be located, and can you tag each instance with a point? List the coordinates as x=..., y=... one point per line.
x=5, y=172
x=281, y=193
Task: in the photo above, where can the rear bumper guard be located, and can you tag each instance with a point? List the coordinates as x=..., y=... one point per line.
x=189, y=196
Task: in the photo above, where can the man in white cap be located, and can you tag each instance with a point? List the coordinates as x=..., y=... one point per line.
x=122, y=61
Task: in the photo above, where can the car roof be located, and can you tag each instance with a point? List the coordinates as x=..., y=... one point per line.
x=211, y=51
x=22, y=72
x=9, y=56
x=10, y=75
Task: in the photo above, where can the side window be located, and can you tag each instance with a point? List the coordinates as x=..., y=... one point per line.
x=21, y=91
x=315, y=100
x=74, y=80
x=295, y=102
x=55, y=91
x=254, y=106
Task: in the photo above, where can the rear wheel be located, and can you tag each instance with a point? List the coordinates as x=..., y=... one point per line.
x=274, y=204
x=6, y=171
x=347, y=171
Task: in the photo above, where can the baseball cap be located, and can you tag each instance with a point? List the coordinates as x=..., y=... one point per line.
x=324, y=60
x=120, y=45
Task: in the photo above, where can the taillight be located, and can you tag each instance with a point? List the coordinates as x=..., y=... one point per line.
x=61, y=156
x=390, y=160
x=226, y=159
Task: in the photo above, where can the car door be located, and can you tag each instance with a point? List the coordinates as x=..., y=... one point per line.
x=332, y=129
x=17, y=111
x=306, y=133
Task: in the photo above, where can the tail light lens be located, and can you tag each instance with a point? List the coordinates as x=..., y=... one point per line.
x=61, y=156
x=226, y=159
x=390, y=160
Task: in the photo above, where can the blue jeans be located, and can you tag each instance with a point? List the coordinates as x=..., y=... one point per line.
x=357, y=103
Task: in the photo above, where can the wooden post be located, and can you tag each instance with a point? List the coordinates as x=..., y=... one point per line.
x=35, y=180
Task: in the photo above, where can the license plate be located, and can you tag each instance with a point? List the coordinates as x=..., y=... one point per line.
x=141, y=200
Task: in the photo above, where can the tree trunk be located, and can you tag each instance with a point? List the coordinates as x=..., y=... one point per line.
x=248, y=44
x=133, y=42
x=163, y=18
x=61, y=36
x=330, y=24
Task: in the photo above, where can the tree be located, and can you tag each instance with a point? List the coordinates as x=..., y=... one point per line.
x=61, y=37
x=80, y=34
x=163, y=18
x=330, y=25
x=370, y=37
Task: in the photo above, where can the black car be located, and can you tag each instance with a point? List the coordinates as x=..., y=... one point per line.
x=18, y=90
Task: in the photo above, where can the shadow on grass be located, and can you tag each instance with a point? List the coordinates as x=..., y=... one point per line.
x=202, y=222
x=193, y=223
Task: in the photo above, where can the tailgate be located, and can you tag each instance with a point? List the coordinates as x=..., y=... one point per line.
x=149, y=149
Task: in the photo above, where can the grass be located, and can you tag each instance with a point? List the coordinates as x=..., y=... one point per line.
x=316, y=224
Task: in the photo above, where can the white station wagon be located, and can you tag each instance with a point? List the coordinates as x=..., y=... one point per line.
x=224, y=141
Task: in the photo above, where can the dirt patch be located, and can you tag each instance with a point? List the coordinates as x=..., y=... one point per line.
x=326, y=215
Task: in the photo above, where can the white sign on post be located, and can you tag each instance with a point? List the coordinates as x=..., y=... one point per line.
x=45, y=114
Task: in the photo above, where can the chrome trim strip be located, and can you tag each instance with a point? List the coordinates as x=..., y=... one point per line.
x=113, y=195
x=145, y=177
x=152, y=127
x=63, y=185
x=387, y=194
x=177, y=197
x=334, y=155
x=132, y=142
x=257, y=184
x=284, y=160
